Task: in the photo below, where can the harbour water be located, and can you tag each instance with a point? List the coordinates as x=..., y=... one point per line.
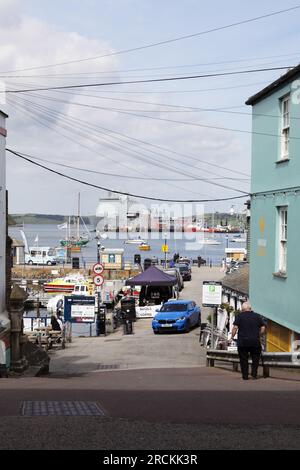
x=186, y=244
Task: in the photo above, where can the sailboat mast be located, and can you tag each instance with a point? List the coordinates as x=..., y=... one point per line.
x=78, y=216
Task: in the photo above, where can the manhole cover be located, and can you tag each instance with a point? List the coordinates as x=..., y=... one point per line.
x=62, y=408
x=108, y=366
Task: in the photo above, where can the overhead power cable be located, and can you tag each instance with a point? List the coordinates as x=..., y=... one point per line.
x=116, y=175
x=175, y=121
x=145, y=69
x=18, y=154
x=152, y=161
x=174, y=108
x=41, y=116
x=150, y=80
x=134, y=141
x=161, y=43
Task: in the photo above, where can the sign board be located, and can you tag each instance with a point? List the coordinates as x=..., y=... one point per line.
x=211, y=294
x=98, y=280
x=149, y=311
x=79, y=309
x=165, y=248
x=98, y=268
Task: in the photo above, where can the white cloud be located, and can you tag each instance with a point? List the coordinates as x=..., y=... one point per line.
x=29, y=42
x=10, y=13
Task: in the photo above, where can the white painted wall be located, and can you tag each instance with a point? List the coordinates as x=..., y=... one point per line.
x=2, y=214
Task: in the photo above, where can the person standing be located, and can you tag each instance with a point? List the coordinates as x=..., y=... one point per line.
x=249, y=326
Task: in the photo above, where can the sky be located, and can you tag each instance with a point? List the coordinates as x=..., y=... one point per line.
x=129, y=130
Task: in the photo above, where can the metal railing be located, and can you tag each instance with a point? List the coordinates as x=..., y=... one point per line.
x=210, y=338
x=268, y=359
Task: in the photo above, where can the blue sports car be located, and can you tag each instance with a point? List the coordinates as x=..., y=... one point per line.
x=177, y=315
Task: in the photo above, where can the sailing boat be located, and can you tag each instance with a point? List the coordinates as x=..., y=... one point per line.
x=212, y=240
x=77, y=240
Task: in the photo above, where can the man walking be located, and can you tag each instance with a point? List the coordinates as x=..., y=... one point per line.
x=250, y=327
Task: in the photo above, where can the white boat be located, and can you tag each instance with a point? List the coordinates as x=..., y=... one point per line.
x=135, y=241
x=238, y=239
x=209, y=241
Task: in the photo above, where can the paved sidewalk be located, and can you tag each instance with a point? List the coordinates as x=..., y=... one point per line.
x=178, y=408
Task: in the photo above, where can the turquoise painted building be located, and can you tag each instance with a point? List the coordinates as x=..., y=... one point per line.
x=275, y=209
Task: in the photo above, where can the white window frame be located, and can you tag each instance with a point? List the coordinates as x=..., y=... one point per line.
x=282, y=239
x=285, y=127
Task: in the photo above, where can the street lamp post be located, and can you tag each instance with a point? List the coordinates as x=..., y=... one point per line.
x=98, y=251
x=100, y=330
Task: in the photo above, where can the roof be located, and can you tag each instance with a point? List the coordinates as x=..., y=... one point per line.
x=238, y=281
x=268, y=90
x=180, y=301
x=16, y=242
x=152, y=277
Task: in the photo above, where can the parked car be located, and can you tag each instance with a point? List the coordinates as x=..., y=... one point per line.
x=185, y=271
x=177, y=315
x=176, y=273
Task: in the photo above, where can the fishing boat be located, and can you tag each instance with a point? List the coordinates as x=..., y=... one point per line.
x=79, y=239
x=144, y=247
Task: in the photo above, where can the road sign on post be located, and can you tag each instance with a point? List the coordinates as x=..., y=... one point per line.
x=212, y=297
x=98, y=280
x=212, y=294
x=98, y=268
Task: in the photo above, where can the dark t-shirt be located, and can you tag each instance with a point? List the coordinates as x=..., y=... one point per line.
x=249, y=324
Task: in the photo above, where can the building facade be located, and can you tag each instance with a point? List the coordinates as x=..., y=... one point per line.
x=275, y=209
x=4, y=320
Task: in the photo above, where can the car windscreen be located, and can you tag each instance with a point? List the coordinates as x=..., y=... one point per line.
x=174, y=308
x=183, y=269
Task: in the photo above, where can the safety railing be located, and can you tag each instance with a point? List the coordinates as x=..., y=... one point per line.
x=268, y=359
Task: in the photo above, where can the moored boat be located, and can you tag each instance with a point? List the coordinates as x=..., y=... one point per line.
x=135, y=241
x=144, y=247
x=210, y=241
x=62, y=284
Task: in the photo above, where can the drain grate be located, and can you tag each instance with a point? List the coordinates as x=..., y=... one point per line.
x=61, y=408
x=108, y=366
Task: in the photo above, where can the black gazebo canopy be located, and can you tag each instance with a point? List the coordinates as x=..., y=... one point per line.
x=152, y=277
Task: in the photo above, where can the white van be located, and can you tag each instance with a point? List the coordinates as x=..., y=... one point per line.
x=40, y=255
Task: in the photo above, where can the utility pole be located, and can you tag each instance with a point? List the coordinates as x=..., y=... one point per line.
x=165, y=250
x=101, y=319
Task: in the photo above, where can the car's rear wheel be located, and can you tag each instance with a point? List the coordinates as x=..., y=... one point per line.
x=187, y=327
x=199, y=320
